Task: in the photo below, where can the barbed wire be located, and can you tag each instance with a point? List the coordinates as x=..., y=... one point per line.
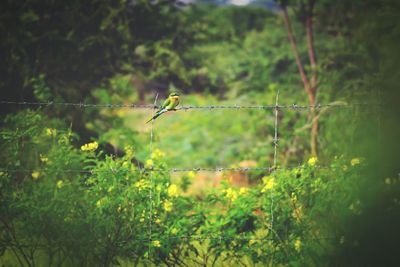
x=220, y=238
x=188, y=238
x=196, y=169
x=149, y=106
x=293, y=106
x=218, y=169
x=79, y=105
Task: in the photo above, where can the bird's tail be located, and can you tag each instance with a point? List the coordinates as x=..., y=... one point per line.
x=157, y=115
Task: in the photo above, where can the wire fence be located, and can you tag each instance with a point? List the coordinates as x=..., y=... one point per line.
x=274, y=169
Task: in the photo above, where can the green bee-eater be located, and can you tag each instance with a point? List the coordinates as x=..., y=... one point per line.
x=169, y=104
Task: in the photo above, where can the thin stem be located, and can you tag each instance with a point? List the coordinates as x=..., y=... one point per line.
x=151, y=180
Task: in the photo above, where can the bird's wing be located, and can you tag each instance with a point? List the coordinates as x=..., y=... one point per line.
x=166, y=103
x=173, y=103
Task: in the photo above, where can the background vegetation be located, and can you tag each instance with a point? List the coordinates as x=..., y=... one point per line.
x=74, y=182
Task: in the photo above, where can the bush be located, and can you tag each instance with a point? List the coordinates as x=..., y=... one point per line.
x=76, y=206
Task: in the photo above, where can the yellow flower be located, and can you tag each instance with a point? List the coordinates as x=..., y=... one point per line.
x=174, y=231
x=43, y=158
x=156, y=243
x=125, y=164
x=231, y=194
x=90, y=146
x=142, y=184
x=141, y=219
x=129, y=151
x=157, y=153
x=157, y=221
x=388, y=181
x=167, y=205
x=243, y=191
x=297, y=171
x=51, y=132
x=297, y=244
x=99, y=203
x=269, y=183
x=191, y=174
x=173, y=190
x=120, y=113
x=149, y=163
x=355, y=161
x=35, y=175
x=312, y=161
x=60, y=184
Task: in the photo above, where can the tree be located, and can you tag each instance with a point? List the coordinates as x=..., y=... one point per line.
x=309, y=79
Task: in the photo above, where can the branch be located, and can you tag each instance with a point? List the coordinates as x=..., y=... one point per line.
x=316, y=117
x=19, y=248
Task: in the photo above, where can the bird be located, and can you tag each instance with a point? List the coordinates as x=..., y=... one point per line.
x=169, y=104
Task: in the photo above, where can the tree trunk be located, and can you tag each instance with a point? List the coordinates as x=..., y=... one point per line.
x=293, y=44
x=310, y=85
